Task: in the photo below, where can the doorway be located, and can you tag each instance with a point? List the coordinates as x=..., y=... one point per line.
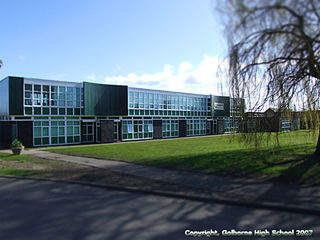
x=215, y=127
x=116, y=131
x=209, y=127
x=87, y=132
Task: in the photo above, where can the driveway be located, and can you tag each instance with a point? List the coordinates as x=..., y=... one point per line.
x=32, y=209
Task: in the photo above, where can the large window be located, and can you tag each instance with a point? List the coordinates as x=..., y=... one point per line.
x=143, y=103
x=73, y=131
x=62, y=96
x=37, y=95
x=41, y=132
x=52, y=100
x=170, y=128
x=45, y=95
x=230, y=125
x=28, y=94
x=285, y=125
x=137, y=129
x=196, y=126
x=54, y=96
x=56, y=130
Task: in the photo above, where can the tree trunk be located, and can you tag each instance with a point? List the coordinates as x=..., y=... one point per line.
x=317, y=152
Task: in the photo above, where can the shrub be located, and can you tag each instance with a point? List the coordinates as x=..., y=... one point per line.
x=16, y=143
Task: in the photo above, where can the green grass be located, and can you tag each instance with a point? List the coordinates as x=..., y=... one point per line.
x=10, y=157
x=31, y=166
x=222, y=155
x=13, y=170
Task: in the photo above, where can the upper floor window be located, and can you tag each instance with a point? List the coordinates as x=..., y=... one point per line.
x=37, y=95
x=28, y=94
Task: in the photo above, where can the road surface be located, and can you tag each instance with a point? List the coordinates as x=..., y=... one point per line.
x=32, y=209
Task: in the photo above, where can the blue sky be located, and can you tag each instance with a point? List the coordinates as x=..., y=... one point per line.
x=167, y=44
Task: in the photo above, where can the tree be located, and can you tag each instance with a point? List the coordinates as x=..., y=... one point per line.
x=274, y=54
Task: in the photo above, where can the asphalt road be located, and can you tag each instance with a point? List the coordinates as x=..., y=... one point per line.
x=32, y=209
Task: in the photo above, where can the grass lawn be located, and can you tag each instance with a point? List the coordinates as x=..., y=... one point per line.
x=31, y=166
x=222, y=155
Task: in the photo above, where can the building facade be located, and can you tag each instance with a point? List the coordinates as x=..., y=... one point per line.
x=46, y=112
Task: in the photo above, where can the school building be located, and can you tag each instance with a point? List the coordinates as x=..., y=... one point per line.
x=47, y=112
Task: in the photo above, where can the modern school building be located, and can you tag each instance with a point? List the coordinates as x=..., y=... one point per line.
x=47, y=112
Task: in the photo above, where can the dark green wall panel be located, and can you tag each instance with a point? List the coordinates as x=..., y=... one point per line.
x=105, y=100
x=220, y=106
x=15, y=96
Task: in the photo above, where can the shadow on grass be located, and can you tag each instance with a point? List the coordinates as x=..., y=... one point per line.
x=290, y=163
x=307, y=170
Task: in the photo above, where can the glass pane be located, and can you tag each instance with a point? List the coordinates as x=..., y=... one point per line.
x=90, y=130
x=27, y=94
x=54, y=140
x=76, y=130
x=54, y=89
x=37, y=88
x=54, y=131
x=69, y=131
x=27, y=102
x=130, y=130
x=37, y=123
x=61, y=131
x=45, y=88
x=28, y=87
x=45, y=131
x=69, y=90
x=37, y=141
x=45, y=140
x=37, y=132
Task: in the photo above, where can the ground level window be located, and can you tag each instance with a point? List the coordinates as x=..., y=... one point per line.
x=137, y=129
x=41, y=132
x=196, y=127
x=170, y=128
x=56, y=131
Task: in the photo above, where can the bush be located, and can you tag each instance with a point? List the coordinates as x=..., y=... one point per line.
x=16, y=143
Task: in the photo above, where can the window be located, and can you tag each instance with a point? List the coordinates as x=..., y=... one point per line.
x=37, y=95
x=137, y=129
x=130, y=99
x=54, y=96
x=28, y=94
x=78, y=100
x=170, y=128
x=45, y=95
x=69, y=96
x=73, y=131
x=41, y=132
x=61, y=96
x=196, y=126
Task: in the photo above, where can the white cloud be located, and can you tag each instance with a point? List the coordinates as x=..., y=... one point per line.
x=21, y=58
x=92, y=77
x=201, y=78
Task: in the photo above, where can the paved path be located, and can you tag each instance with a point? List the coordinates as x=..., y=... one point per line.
x=33, y=209
x=261, y=192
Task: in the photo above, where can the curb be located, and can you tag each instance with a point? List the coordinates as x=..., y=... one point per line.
x=221, y=200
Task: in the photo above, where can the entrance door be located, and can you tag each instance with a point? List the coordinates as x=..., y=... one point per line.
x=87, y=132
x=209, y=127
x=116, y=131
x=215, y=127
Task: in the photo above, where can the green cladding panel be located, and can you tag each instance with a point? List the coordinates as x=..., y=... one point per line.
x=220, y=106
x=105, y=100
x=15, y=96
